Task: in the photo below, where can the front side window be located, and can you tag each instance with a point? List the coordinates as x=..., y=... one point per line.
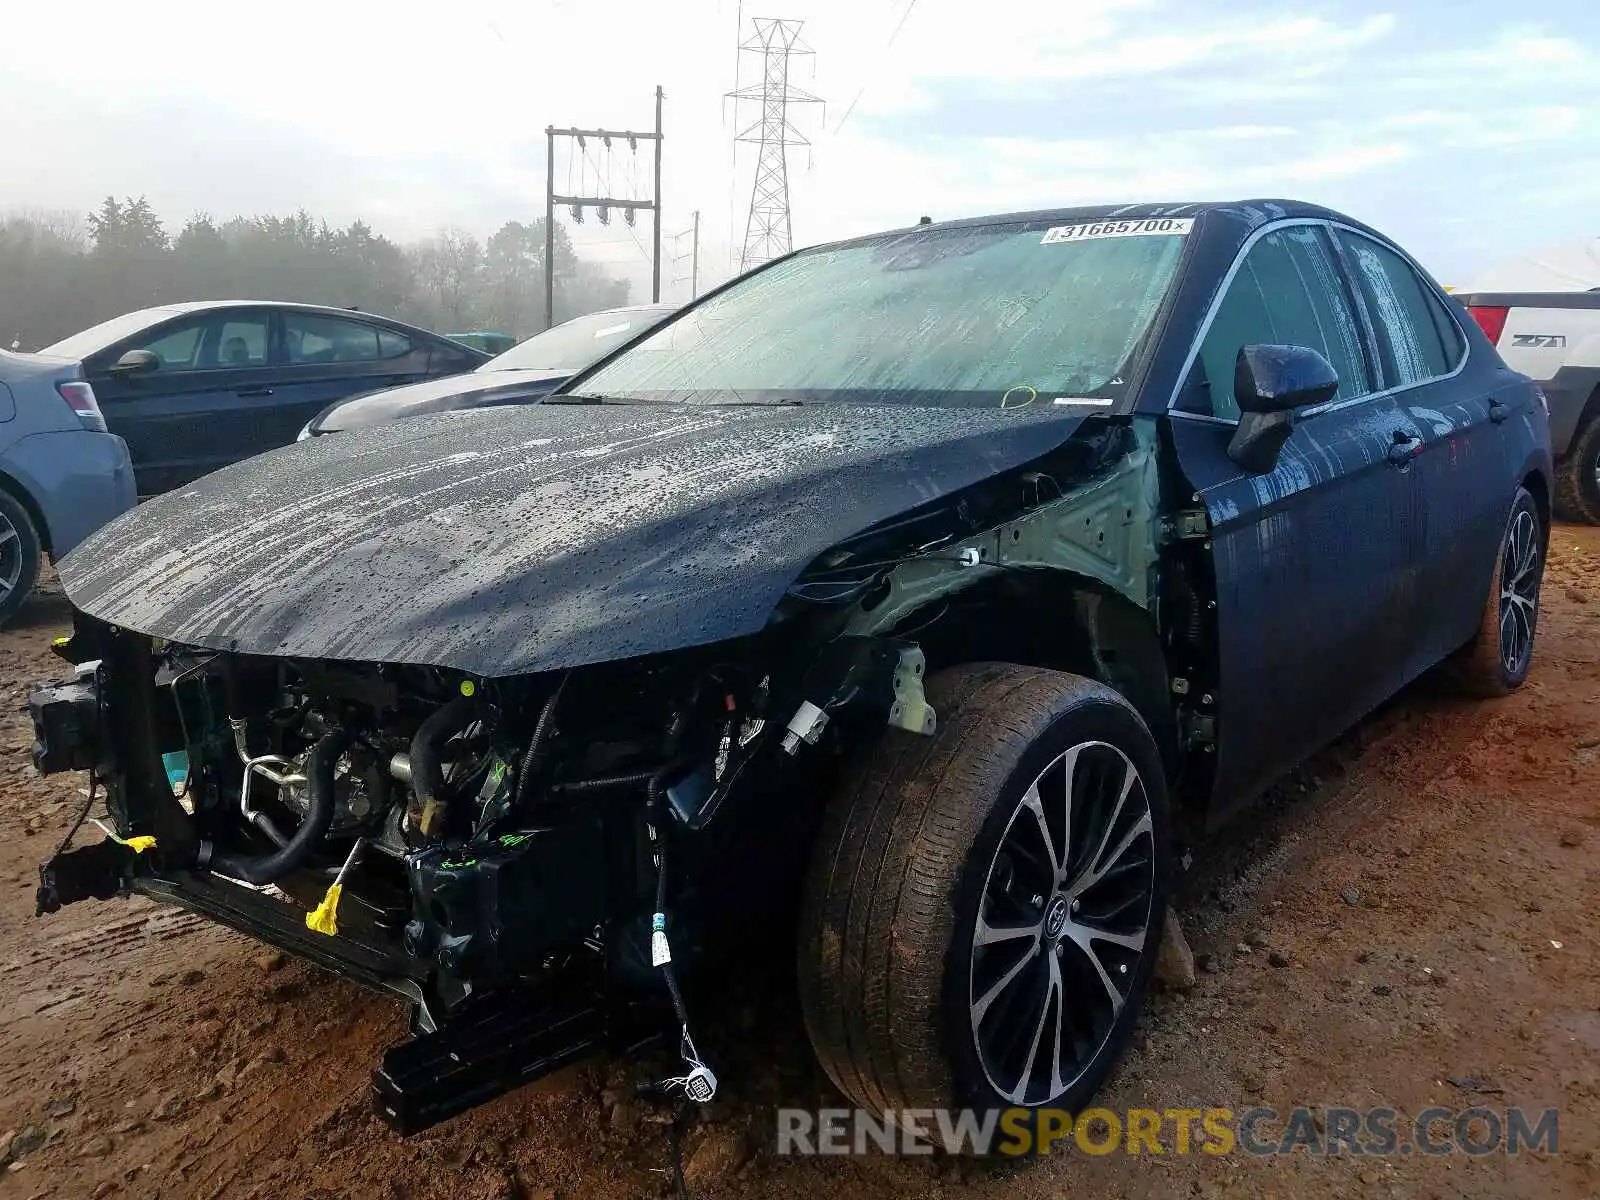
x=178, y=348
x=242, y=342
x=1287, y=292
x=1423, y=342
x=215, y=341
x=314, y=338
x=985, y=315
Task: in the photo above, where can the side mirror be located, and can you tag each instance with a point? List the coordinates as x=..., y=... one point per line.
x=1269, y=383
x=136, y=362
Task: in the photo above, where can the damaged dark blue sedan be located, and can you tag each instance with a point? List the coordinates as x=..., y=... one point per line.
x=912, y=593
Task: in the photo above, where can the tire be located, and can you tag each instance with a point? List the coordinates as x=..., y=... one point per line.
x=927, y=835
x=1578, y=477
x=1497, y=659
x=19, y=555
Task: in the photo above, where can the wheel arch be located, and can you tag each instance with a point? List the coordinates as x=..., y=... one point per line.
x=1539, y=488
x=1059, y=620
x=14, y=487
x=1589, y=412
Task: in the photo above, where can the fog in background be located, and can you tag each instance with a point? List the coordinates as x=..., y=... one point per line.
x=395, y=137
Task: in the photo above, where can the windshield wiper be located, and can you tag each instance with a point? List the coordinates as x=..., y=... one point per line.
x=580, y=398
x=781, y=402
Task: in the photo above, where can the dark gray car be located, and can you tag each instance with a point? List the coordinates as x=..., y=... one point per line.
x=527, y=372
x=62, y=476
x=195, y=387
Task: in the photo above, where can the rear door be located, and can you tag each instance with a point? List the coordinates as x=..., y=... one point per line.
x=1315, y=596
x=201, y=408
x=1459, y=455
x=328, y=357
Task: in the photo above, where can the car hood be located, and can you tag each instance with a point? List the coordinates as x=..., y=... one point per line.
x=519, y=539
x=472, y=390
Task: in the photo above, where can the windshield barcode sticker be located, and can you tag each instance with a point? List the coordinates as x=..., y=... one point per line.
x=1151, y=226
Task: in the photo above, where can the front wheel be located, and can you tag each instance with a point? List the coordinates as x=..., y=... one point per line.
x=1498, y=658
x=981, y=917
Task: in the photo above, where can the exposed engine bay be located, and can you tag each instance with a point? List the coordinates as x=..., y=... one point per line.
x=454, y=838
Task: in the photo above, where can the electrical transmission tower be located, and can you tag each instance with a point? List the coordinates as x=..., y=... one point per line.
x=767, y=233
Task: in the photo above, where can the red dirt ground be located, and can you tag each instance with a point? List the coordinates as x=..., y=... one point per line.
x=155, y=1055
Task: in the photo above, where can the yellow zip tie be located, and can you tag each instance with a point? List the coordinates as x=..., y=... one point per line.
x=325, y=917
x=137, y=844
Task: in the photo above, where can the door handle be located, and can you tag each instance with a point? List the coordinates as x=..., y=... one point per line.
x=1403, y=448
x=1497, y=411
x=252, y=391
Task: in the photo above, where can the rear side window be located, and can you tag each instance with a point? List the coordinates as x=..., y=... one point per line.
x=1288, y=291
x=313, y=338
x=392, y=345
x=1422, y=341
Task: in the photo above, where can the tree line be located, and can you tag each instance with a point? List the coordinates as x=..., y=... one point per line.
x=60, y=273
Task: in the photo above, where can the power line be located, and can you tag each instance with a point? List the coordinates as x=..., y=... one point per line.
x=862, y=90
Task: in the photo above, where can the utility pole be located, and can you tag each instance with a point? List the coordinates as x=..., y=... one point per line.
x=601, y=204
x=655, y=258
x=767, y=232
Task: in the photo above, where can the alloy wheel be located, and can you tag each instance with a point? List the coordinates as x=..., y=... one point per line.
x=1519, y=591
x=10, y=557
x=1062, y=923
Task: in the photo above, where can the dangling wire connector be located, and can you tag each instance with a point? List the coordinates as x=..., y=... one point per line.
x=699, y=1082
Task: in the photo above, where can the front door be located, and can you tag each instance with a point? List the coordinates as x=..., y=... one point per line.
x=1316, y=590
x=205, y=404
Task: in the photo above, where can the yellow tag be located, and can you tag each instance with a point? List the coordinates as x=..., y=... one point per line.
x=61, y=641
x=140, y=844
x=323, y=919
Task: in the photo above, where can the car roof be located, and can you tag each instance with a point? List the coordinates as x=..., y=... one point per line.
x=332, y=310
x=1249, y=212
x=137, y=321
x=161, y=312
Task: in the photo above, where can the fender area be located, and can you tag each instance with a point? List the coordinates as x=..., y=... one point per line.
x=1539, y=488
x=1064, y=574
x=1061, y=621
x=24, y=497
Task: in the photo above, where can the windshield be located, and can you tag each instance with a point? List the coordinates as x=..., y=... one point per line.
x=575, y=344
x=1000, y=315
x=98, y=337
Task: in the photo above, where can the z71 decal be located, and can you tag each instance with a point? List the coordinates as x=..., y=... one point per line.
x=1149, y=227
x=1539, y=341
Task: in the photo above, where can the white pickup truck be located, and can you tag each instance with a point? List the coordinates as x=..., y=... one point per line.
x=1554, y=337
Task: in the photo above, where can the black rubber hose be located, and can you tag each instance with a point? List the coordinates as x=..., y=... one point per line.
x=270, y=868
x=427, y=768
x=538, y=744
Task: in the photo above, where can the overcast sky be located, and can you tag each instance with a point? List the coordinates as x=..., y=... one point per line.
x=1466, y=129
